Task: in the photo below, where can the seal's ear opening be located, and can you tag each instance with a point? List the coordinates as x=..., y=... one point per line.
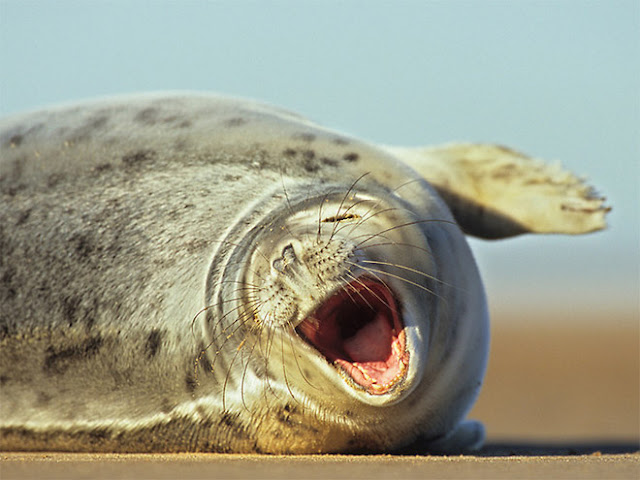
x=495, y=192
x=360, y=331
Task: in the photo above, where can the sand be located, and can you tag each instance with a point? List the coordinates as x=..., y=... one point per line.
x=561, y=400
x=69, y=466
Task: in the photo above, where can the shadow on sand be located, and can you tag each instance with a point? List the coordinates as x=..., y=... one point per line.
x=507, y=449
x=534, y=449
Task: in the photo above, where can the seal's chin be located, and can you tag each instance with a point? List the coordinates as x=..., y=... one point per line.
x=360, y=331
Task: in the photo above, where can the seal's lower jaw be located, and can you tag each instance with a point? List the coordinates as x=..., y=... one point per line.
x=360, y=331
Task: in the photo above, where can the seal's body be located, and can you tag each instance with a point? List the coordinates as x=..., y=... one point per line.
x=196, y=273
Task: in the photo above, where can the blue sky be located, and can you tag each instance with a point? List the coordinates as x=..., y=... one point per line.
x=556, y=79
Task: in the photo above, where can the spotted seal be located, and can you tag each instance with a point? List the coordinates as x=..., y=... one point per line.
x=188, y=272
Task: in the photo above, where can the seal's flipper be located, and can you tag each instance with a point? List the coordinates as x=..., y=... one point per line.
x=495, y=192
x=467, y=437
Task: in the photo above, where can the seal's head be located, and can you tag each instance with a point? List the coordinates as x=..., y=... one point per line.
x=355, y=298
x=338, y=281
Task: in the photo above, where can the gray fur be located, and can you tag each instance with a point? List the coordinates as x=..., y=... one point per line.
x=128, y=230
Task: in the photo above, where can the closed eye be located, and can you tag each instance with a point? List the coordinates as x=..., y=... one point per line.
x=341, y=218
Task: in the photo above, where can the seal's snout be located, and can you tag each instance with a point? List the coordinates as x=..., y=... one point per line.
x=360, y=331
x=287, y=258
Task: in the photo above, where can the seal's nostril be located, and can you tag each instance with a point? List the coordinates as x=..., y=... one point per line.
x=288, y=254
x=278, y=264
x=288, y=257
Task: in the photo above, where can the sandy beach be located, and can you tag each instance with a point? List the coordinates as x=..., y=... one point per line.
x=558, y=402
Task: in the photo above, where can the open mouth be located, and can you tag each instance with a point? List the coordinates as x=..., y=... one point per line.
x=360, y=331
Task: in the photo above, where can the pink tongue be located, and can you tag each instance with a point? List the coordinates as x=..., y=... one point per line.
x=372, y=343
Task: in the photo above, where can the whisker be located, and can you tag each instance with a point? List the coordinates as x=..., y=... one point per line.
x=367, y=216
x=408, y=182
x=409, y=269
x=396, y=244
x=236, y=325
x=402, y=225
x=266, y=356
x=344, y=199
x=233, y=244
x=358, y=280
x=324, y=200
x=291, y=333
x=284, y=370
x=245, y=287
x=244, y=373
x=397, y=277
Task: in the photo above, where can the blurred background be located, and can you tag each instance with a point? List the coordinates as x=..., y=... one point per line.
x=559, y=80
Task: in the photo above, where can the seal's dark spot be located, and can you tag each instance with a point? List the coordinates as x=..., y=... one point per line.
x=180, y=145
x=15, y=141
x=205, y=364
x=284, y=417
x=165, y=405
x=154, y=341
x=310, y=166
x=3, y=380
x=54, y=179
x=42, y=399
x=147, y=116
x=170, y=119
x=228, y=419
x=351, y=157
x=506, y=172
x=23, y=216
x=354, y=447
x=6, y=281
x=14, y=173
x=152, y=116
x=85, y=132
x=19, y=134
x=305, y=137
x=70, y=309
x=6, y=330
x=190, y=383
x=234, y=122
x=138, y=157
x=312, y=429
x=309, y=154
x=289, y=152
x=95, y=123
x=340, y=141
x=231, y=178
x=332, y=162
x=195, y=246
x=102, y=167
x=202, y=413
x=83, y=245
x=12, y=190
x=98, y=434
x=203, y=359
x=90, y=320
x=205, y=423
x=122, y=378
x=59, y=361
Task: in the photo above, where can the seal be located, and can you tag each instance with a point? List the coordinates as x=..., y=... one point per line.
x=186, y=272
